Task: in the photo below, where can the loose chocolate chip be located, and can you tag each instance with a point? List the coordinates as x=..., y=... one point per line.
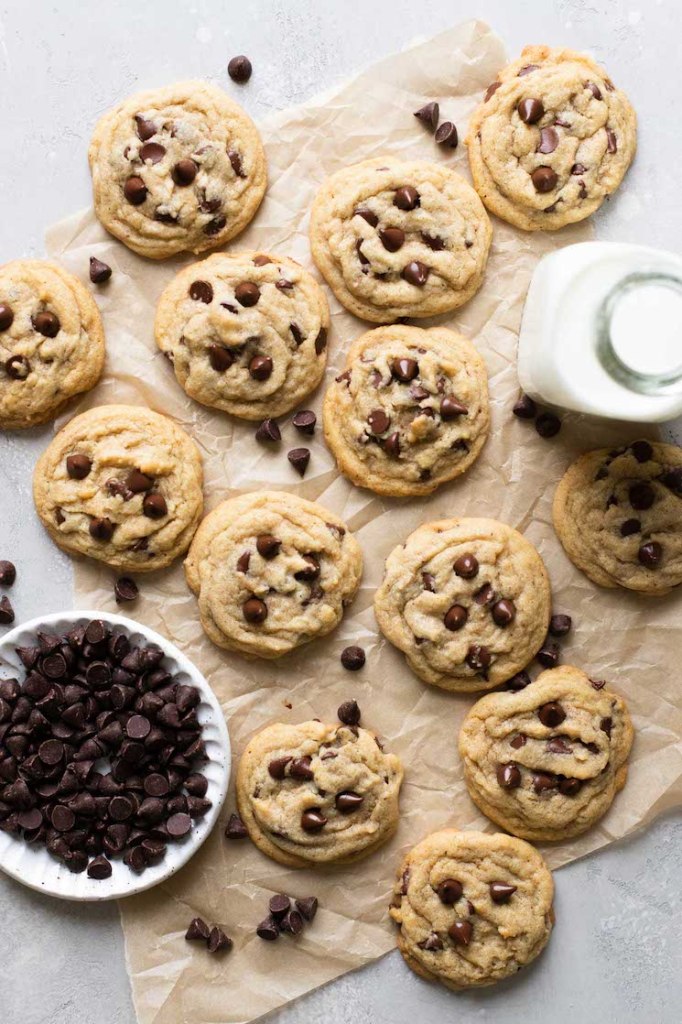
x=184, y=172
x=551, y=714
x=366, y=215
x=503, y=612
x=101, y=528
x=466, y=566
x=392, y=445
x=125, y=589
x=239, y=69
x=78, y=466
x=544, y=179
x=450, y=891
x=153, y=152
x=630, y=526
x=17, y=367
x=6, y=316
x=47, y=324
x=235, y=828
x=8, y=573
x=299, y=459
x=99, y=868
x=349, y=713
x=255, y=610
x=650, y=554
x=347, y=802
x=407, y=197
x=548, y=424
x=260, y=367
x=461, y=932
x=560, y=625
x=543, y=781
x=530, y=110
x=525, y=408
x=569, y=787
x=404, y=369
x=307, y=907
x=268, y=546
x=392, y=239
x=479, y=658
x=455, y=617
x=428, y=115
x=6, y=611
x=415, y=273
x=378, y=421
x=549, y=140
x=63, y=818
x=154, y=505
x=642, y=451
x=321, y=341
x=352, y=658
x=268, y=431
x=451, y=408
x=304, y=421
x=135, y=190
x=548, y=655
x=279, y=905
x=247, y=293
x=218, y=941
x=179, y=825
x=198, y=930
x=508, y=776
x=641, y=496
x=313, y=820
x=99, y=271
x=446, y=135
x=500, y=892
x=268, y=929
x=611, y=143
x=201, y=291
x=220, y=358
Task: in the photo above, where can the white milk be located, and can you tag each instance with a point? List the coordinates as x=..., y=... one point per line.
x=602, y=332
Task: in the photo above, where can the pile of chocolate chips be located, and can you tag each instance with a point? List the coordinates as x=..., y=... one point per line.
x=99, y=748
x=286, y=917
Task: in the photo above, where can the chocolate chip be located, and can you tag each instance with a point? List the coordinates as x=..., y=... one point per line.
x=78, y=466
x=154, y=506
x=611, y=143
x=548, y=424
x=145, y=128
x=311, y=570
x=307, y=907
x=216, y=225
x=139, y=482
x=508, y=776
x=378, y=422
x=491, y=90
x=500, y=892
x=99, y=868
x=650, y=554
x=503, y=612
x=551, y=714
x=455, y=617
x=642, y=451
x=304, y=421
x=235, y=828
x=152, y=152
x=220, y=358
x=392, y=445
x=268, y=546
x=198, y=930
x=428, y=115
x=63, y=818
x=279, y=905
x=641, y=496
x=672, y=478
x=179, y=825
x=247, y=293
x=47, y=324
x=347, y=802
x=466, y=566
x=518, y=741
x=450, y=891
x=125, y=589
x=236, y=164
x=606, y=725
x=525, y=408
x=570, y=787
x=6, y=316
x=349, y=713
x=407, y=197
x=451, y=408
x=548, y=655
x=260, y=367
x=135, y=190
x=353, y=658
x=218, y=941
x=560, y=625
x=578, y=169
x=446, y=135
x=255, y=610
x=434, y=242
x=313, y=820
x=479, y=658
x=8, y=573
x=485, y=595
x=392, y=238
x=366, y=215
x=415, y=273
x=278, y=766
x=268, y=431
x=101, y=528
x=404, y=369
x=630, y=526
x=239, y=69
x=299, y=459
x=544, y=179
x=321, y=341
x=201, y=291
x=549, y=140
x=461, y=932
x=17, y=367
x=99, y=271
x=530, y=110
x=268, y=929
x=543, y=781
x=184, y=172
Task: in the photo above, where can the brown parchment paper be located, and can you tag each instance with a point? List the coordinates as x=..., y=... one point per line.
x=626, y=639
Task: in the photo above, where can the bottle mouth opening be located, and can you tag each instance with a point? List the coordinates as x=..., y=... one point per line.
x=624, y=315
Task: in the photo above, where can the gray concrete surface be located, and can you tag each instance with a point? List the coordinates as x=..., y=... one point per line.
x=615, y=956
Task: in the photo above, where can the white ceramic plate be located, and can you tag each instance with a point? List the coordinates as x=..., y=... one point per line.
x=33, y=865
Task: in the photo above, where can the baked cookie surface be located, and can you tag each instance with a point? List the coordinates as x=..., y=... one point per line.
x=176, y=169
x=245, y=332
x=618, y=514
x=123, y=485
x=272, y=571
x=410, y=410
x=473, y=908
x=545, y=763
x=551, y=140
x=316, y=794
x=466, y=600
x=399, y=238
x=51, y=341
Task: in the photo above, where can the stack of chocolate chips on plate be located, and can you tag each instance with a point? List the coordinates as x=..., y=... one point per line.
x=99, y=750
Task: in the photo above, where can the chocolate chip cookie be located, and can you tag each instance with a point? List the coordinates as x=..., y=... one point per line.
x=409, y=411
x=472, y=908
x=551, y=140
x=318, y=794
x=272, y=571
x=176, y=169
x=245, y=332
x=466, y=600
x=399, y=238
x=51, y=341
x=546, y=762
x=618, y=514
x=121, y=484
